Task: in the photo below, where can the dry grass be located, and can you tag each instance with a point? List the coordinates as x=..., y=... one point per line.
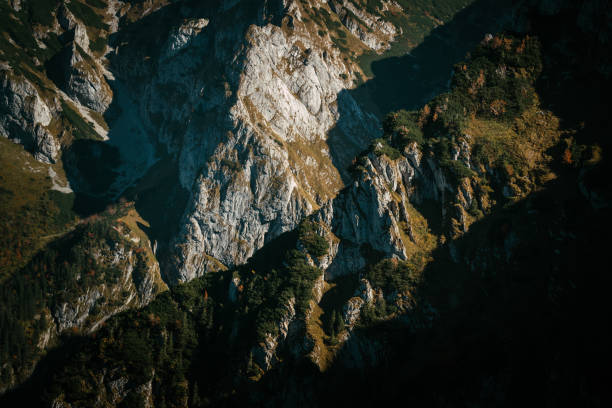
x=97, y=116
x=132, y=220
x=322, y=177
x=28, y=209
x=521, y=144
x=424, y=239
x=314, y=328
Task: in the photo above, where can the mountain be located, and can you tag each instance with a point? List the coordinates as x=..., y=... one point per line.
x=304, y=203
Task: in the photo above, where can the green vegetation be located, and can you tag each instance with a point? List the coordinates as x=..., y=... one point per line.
x=18, y=27
x=396, y=276
x=32, y=12
x=477, y=317
x=40, y=11
x=179, y=333
x=87, y=15
x=335, y=325
x=402, y=126
x=330, y=23
x=492, y=99
x=381, y=147
x=315, y=244
x=96, y=3
x=29, y=210
x=497, y=81
x=455, y=168
x=270, y=292
x=419, y=19
x=98, y=44
x=167, y=338
x=61, y=272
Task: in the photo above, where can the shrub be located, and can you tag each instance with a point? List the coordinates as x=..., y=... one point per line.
x=315, y=244
x=456, y=169
x=402, y=127
x=98, y=44
x=381, y=147
x=96, y=3
x=391, y=275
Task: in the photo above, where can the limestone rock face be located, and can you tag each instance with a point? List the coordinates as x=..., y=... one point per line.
x=376, y=215
x=24, y=115
x=182, y=35
x=118, y=277
x=245, y=107
x=65, y=18
x=264, y=354
x=372, y=30
x=82, y=77
x=352, y=310
x=373, y=213
x=77, y=29
x=134, y=288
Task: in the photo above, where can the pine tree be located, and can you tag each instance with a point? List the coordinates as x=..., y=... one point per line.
x=195, y=398
x=332, y=326
x=338, y=323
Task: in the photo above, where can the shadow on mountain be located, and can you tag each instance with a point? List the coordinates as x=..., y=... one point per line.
x=518, y=319
x=161, y=201
x=410, y=81
x=90, y=167
x=521, y=321
x=577, y=86
x=520, y=311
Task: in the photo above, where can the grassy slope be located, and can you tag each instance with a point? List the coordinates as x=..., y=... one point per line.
x=416, y=21
x=31, y=213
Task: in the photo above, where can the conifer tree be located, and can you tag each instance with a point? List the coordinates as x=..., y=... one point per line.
x=338, y=323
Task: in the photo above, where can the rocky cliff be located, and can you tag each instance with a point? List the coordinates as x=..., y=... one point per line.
x=308, y=242
x=103, y=267
x=241, y=133
x=260, y=143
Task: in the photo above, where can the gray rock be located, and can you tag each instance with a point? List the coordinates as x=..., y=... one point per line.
x=239, y=142
x=82, y=78
x=65, y=18
x=372, y=30
x=24, y=115
x=352, y=311
x=15, y=4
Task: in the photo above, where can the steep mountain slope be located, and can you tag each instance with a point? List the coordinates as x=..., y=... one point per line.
x=240, y=132
x=455, y=246
x=98, y=100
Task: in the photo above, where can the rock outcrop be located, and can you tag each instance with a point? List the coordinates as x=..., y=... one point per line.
x=113, y=275
x=81, y=77
x=25, y=115
x=372, y=30
x=251, y=138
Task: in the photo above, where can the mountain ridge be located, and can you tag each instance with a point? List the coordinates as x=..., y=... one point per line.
x=299, y=269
